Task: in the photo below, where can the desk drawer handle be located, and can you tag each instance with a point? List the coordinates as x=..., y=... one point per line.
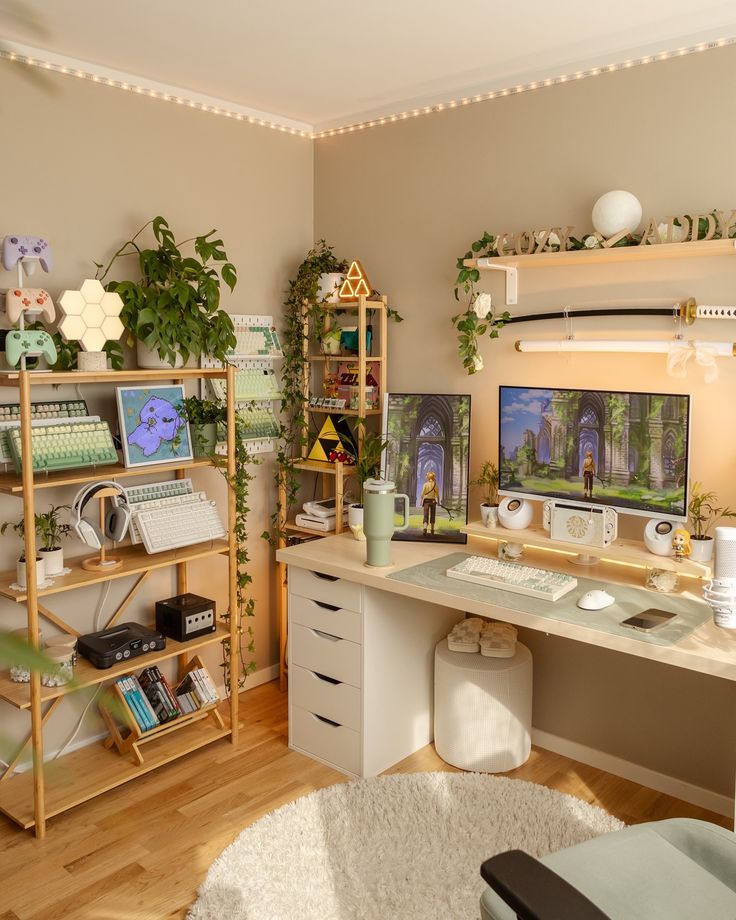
x=325, y=577
x=323, y=635
x=326, y=606
x=326, y=721
x=325, y=678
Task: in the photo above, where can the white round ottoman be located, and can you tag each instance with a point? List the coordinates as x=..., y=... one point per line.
x=482, y=709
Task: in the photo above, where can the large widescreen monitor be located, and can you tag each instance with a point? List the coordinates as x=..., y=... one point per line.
x=600, y=447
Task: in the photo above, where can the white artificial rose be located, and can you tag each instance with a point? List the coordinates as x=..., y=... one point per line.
x=590, y=242
x=553, y=240
x=482, y=305
x=679, y=234
x=477, y=363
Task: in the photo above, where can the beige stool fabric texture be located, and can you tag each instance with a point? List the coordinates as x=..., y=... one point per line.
x=482, y=709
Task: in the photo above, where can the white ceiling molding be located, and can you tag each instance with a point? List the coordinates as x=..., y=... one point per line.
x=142, y=86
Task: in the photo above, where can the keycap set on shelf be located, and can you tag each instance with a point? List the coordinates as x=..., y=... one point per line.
x=258, y=422
x=250, y=383
x=155, y=495
x=40, y=412
x=76, y=444
x=174, y=526
x=257, y=340
x=511, y=576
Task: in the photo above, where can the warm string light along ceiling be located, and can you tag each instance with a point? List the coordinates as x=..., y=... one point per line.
x=143, y=87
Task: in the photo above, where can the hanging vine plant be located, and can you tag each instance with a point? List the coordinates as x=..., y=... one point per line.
x=478, y=319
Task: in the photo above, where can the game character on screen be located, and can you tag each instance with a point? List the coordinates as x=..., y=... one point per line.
x=430, y=498
x=588, y=474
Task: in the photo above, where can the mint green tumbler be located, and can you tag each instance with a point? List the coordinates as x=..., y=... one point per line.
x=379, y=498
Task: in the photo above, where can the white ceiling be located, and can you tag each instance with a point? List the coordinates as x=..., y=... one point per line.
x=335, y=62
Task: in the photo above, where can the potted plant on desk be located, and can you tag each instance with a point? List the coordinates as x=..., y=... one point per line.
x=367, y=466
x=488, y=481
x=703, y=513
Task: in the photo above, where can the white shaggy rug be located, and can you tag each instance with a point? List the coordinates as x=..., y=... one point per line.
x=399, y=847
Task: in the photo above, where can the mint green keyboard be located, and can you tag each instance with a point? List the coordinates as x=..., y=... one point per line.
x=250, y=383
x=66, y=447
x=258, y=422
x=257, y=340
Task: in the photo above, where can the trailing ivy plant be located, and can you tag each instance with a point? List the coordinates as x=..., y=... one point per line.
x=470, y=325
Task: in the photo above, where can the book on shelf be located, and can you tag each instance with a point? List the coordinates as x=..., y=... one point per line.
x=197, y=688
x=137, y=703
x=159, y=695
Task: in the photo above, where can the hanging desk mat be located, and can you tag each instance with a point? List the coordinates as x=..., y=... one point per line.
x=629, y=601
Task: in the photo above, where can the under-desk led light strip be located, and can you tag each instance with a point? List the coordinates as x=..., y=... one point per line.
x=47, y=60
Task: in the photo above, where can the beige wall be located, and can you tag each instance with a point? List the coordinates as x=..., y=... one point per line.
x=408, y=198
x=88, y=167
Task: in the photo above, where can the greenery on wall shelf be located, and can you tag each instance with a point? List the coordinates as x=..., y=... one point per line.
x=174, y=307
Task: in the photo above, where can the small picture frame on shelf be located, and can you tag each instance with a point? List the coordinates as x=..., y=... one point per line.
x=312, y=402
x=319, y=402
x=152, y=428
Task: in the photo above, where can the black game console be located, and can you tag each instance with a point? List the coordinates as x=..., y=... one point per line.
x=185, y=617
x=119, y=643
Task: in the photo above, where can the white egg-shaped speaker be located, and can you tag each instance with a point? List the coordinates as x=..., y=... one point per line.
x=616, y=211
x=515, y=513
x=658, y=537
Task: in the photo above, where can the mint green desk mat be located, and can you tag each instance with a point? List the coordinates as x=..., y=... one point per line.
x=629, y=600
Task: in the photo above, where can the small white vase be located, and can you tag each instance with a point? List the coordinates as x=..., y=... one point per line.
x=355, y=521
x=329, y=285
x=53, y=560
x=150, y=359
x=489, y=515
x=701, y=550
x=40, y=572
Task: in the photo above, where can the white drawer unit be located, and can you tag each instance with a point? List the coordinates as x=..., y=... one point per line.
x=326, y=588
x=326, y=654
x=338, y=621
x=326, y=740
x=325, y=696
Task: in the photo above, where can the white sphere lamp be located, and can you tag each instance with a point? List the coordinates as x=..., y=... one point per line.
x=616, y=211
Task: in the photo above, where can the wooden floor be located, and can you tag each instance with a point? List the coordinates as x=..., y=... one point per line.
x=142, y=850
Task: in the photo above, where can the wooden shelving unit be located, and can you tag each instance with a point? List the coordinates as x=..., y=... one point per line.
x=332, y=476
x=31, y=797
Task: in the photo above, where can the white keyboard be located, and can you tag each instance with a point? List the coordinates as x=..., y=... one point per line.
x=156, y=495
x=172, y=526
x=511, y=576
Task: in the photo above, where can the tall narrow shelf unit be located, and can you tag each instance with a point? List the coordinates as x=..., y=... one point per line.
x=332, y=475
x=30, y=798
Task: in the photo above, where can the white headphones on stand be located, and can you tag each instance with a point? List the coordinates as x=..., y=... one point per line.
x=117, y=519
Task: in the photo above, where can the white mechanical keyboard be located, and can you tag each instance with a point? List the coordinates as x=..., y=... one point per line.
x=511, y=576
x=257, y=340
x=154, y=495
x=173, y=526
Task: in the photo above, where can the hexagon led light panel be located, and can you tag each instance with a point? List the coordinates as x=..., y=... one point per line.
x=90, y=316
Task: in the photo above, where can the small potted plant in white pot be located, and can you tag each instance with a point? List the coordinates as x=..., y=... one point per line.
x=367, y=466
x=203, y=415
x=487, y=479
x=704, y=513
x=51, y=532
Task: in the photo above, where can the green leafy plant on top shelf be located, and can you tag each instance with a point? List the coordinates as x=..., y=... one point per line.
x=368, y=464
x=470, y=325
x=703, y=511
x=174, y=307
x=49, y=528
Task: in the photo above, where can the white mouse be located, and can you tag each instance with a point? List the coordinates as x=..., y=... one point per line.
x=596, y=600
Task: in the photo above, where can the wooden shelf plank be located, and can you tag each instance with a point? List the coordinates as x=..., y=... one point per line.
x=614, y=255
x=629, y=552
x=348, y=358
x=291, y=527
x=12, y=483
x=319, y=466
x=93, y=770
x=135, y=560
x=348, y=412
x=87, y=675
x=12, y=378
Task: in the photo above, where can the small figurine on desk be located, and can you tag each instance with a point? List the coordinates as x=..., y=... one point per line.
x=681, y=543
x=430, y=498
x=588, y=474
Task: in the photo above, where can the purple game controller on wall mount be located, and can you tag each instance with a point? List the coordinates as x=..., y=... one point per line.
x=29, y=342
x=26, y=247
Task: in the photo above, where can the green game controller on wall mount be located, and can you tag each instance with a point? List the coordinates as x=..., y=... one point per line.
x=29, y=342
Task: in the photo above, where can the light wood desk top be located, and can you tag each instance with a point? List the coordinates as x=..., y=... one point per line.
x=708, y=649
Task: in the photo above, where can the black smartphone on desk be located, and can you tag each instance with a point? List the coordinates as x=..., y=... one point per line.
x=649, y=620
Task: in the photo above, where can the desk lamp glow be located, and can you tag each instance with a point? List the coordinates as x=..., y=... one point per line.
x=90, y=316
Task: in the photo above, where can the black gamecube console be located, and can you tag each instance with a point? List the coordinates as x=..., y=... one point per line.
x=119, y=643
x=186, y=616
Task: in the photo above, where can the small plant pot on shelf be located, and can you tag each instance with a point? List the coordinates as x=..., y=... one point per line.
x=53, y=560
x=489, y=515
x=701, y=549
x=329, y=285
x=150, y=360
x=355, y=521
x=204, y=439
x=40, y=571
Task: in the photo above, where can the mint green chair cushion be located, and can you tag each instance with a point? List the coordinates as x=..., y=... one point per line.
x=679, y=869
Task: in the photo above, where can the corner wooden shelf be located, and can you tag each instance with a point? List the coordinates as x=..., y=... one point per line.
x=627, y=552
x=87, y=675
x=327, y=469
x=345, y=358
x=30, y=798
x=350, y=413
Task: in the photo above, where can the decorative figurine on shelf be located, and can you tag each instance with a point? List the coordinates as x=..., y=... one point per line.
x=429, y=498
x=681, y=543
x=588, y=474
x=329, y=387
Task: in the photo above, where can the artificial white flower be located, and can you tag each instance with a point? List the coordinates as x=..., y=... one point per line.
x=679, y=234
x=477, y=363
x=590, y=242
x=482, y=305
x=551, y=239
